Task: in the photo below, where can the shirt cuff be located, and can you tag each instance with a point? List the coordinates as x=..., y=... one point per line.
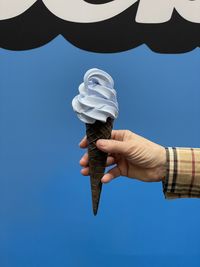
x=182, y=178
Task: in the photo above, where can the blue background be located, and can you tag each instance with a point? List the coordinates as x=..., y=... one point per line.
x=45, y=204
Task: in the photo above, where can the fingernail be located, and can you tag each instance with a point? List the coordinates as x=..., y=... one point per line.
x=104, y=181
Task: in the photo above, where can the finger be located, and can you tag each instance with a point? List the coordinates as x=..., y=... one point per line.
x=85, y=171
x=110, y=161
x=83, y=143
x=112, y=146
x=84, y=160
x=116, y=135
x=111, y=174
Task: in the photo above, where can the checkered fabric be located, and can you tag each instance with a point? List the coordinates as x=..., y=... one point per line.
x=183, y=173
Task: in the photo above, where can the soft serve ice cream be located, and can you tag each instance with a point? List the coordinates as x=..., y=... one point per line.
x=97, y=97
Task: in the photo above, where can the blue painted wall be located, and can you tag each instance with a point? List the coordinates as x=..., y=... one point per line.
x=45, y=204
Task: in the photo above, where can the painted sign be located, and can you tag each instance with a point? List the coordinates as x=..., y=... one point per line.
x=105, y=26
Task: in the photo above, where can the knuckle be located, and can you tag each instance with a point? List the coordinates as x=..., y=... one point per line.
x=128, y=134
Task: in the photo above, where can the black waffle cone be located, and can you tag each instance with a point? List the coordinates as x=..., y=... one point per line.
x=97, y=158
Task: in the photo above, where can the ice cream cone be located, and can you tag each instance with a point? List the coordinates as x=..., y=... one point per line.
x=96, y=105
x=97, y=158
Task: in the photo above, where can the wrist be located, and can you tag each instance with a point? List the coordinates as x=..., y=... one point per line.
x=162, y=169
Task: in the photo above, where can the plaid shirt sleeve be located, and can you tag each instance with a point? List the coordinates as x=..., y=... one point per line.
x=182, y=178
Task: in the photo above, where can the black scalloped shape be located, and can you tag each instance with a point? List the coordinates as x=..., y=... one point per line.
x=38, y=26
x=97, y=2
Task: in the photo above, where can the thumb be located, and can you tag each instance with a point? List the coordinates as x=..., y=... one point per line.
x=111, y=146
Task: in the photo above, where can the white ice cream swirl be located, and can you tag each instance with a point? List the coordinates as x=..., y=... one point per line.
x=97, y=98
